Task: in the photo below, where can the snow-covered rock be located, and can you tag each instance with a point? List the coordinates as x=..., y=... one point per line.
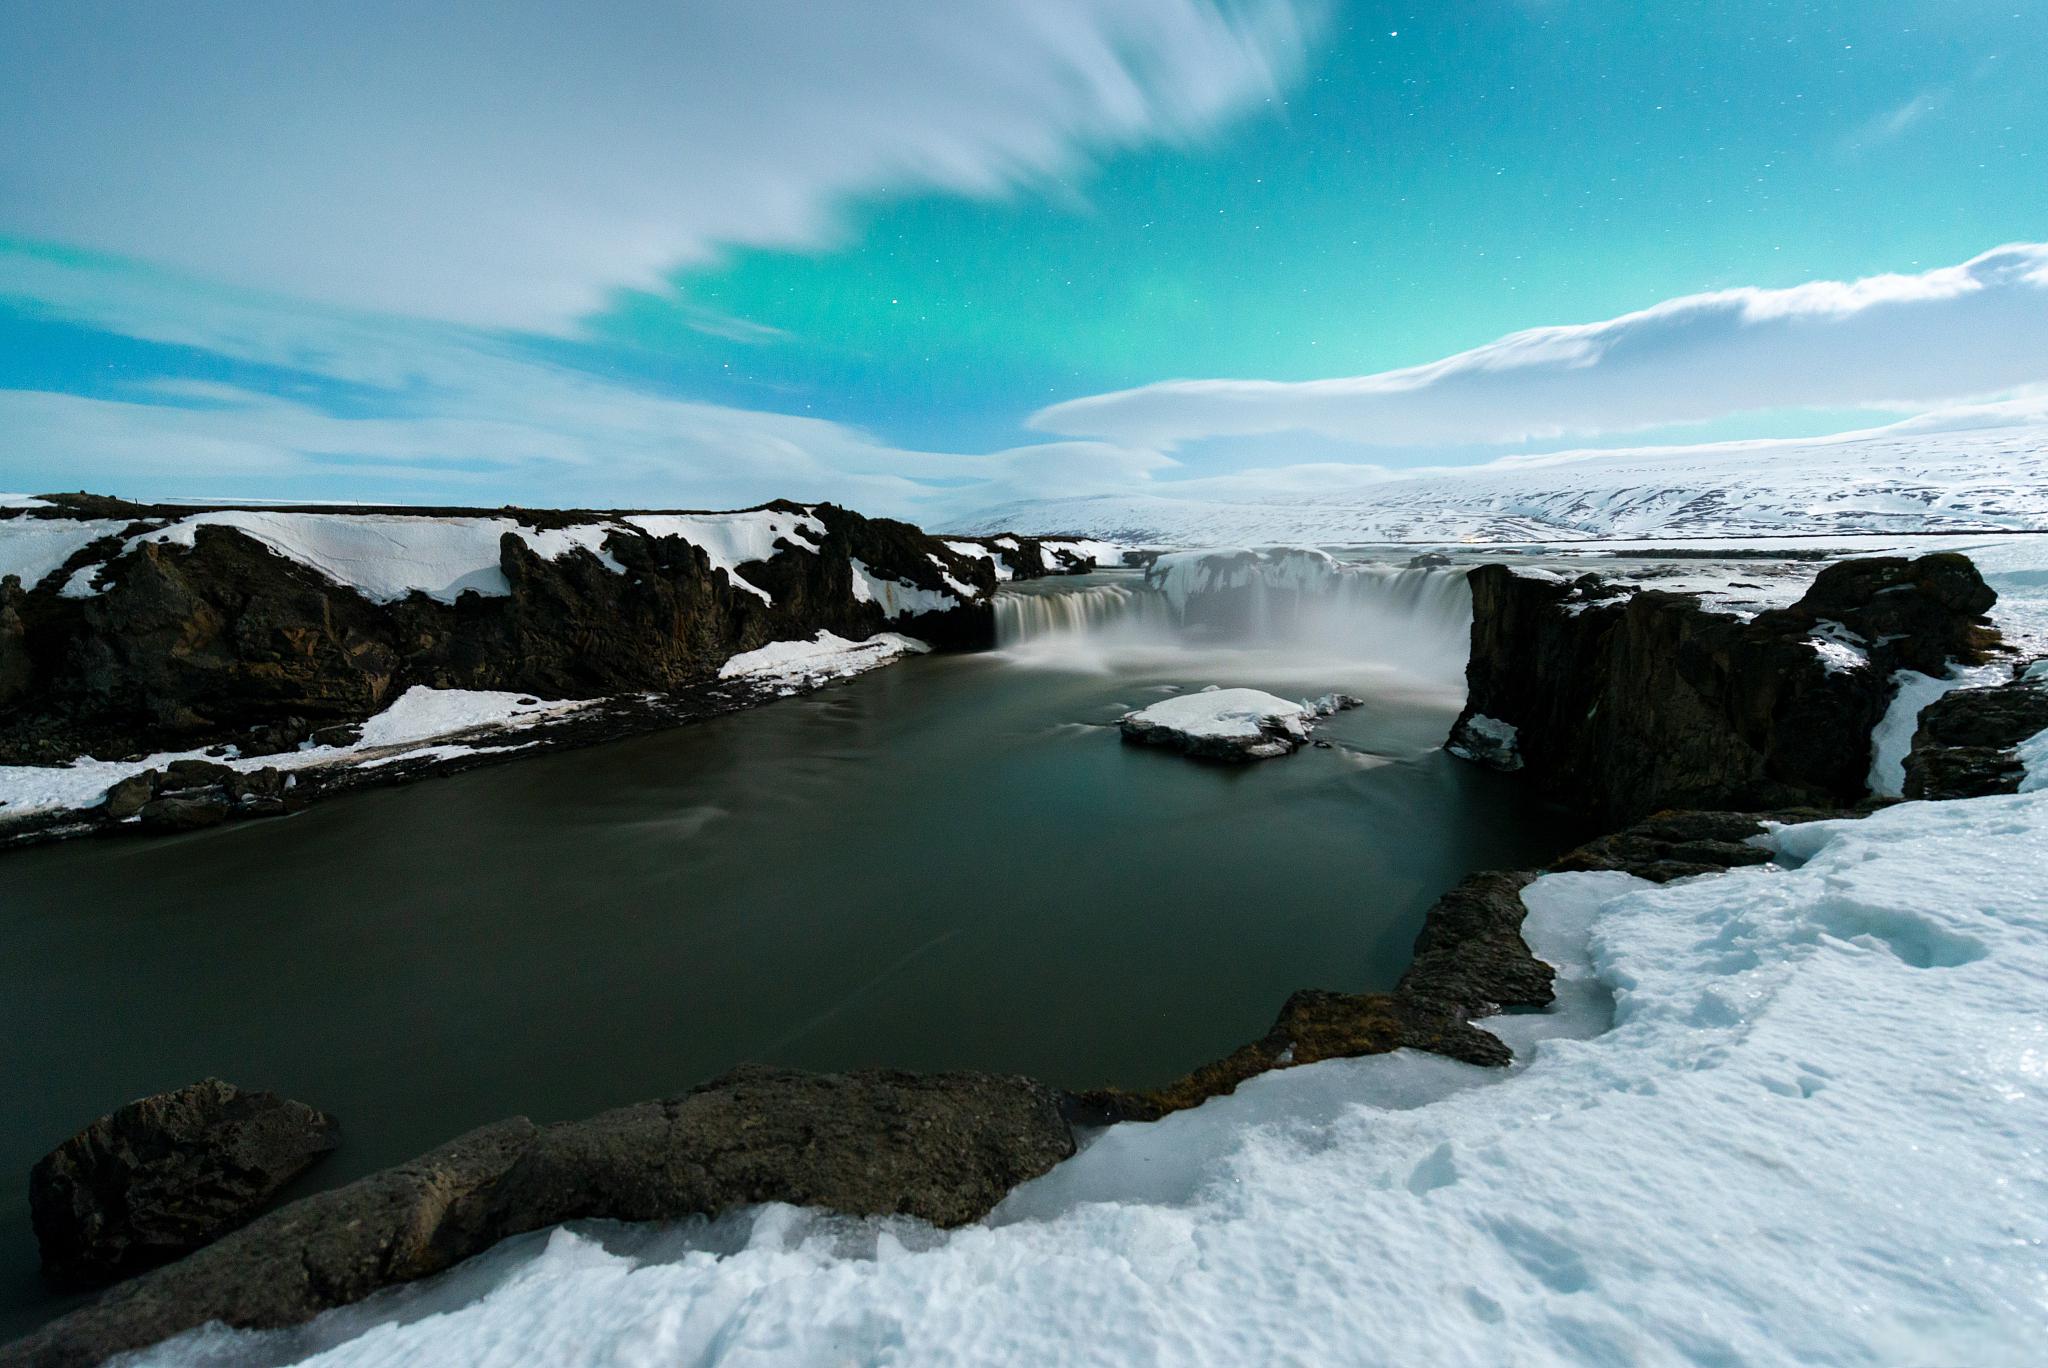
x=1487, y=741
x=792, y=665
x=33, y=548
x=405, y=730
x=899, y=599
x=1230, y=724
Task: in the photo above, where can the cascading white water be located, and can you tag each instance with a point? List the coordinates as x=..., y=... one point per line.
x=1288, y=605
x=1027, y=617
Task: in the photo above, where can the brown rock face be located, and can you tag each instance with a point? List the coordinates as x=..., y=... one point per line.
x=165, y=1175
x=943, y=1147
x=1627, y=705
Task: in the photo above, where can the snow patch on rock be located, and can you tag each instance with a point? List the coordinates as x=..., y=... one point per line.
x=420, y=715
x=33, y=548
x=1230, y=724
x=730, y=540
x=801, y=664
x=1891, y=741
x=897, y=598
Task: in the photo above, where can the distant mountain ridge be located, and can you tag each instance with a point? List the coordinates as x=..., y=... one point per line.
x=1891, y=481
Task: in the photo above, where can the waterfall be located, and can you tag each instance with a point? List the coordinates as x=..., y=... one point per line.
x=1022, y=618
x=1286, y=603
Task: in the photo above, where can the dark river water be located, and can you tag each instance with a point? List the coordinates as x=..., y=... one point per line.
x=952, y=863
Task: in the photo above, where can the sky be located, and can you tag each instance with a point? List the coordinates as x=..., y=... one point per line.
x=925, y=258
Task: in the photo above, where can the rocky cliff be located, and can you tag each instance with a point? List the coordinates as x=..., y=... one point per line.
x=173, y=627
x=1619, y=704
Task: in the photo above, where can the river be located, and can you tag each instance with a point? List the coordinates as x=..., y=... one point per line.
x=951, y=863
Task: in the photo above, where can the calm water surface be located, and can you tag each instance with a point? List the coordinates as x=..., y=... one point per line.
x=953, y=863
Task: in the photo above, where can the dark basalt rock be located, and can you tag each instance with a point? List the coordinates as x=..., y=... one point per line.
x=131, y=795
x=1626, y=704
x=1679, y=845
x=166, y=1175
x=224, y=642
x=1470, y=961
x=1470, y=954
x=942, y=1147
x=1966, y=743
x=187, y=811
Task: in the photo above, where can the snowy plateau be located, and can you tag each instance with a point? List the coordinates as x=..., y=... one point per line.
x=1884, y=481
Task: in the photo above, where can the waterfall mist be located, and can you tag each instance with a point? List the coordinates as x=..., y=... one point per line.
x=1280, y=614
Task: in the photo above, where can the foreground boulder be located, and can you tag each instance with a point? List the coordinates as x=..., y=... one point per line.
x=1231, y=724
x=940, y=1147
x=1619, y=704
x=166, y=1175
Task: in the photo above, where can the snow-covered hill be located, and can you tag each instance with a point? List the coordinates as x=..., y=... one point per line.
x=1888, y=482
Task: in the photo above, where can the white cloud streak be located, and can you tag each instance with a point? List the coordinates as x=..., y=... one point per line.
x=1900, y=342
x=499, y=163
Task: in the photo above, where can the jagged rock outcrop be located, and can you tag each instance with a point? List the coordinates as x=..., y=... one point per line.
x=941, y=1147
x=1680, y=845
x=224, y=641
x=166, y=1175
x=1621, y=704
x=1968, y=740
x=1470, y=962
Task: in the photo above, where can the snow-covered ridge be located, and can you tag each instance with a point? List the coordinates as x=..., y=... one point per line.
x=386, y=556
x=1995, y=479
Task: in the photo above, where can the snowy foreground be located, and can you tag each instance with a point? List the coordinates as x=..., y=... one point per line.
x=1789, y=1114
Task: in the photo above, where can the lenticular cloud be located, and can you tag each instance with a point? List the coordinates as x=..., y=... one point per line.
x=1905, y=341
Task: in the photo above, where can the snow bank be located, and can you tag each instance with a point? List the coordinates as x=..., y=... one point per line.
x=1891, y=741
x=897, y=598
x=22, y=501
x=976, y=551
x=731, y=540
x=31, y=548
x=418, y=716
x=798, y=664
x=1811, y=1135
x=2033, y=754
x=1106, y=555
x=385, y=557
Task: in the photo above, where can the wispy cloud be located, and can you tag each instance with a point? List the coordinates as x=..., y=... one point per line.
x=1899, y=342
x=438, y=413
x=509, y=165
x=1895, y=123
